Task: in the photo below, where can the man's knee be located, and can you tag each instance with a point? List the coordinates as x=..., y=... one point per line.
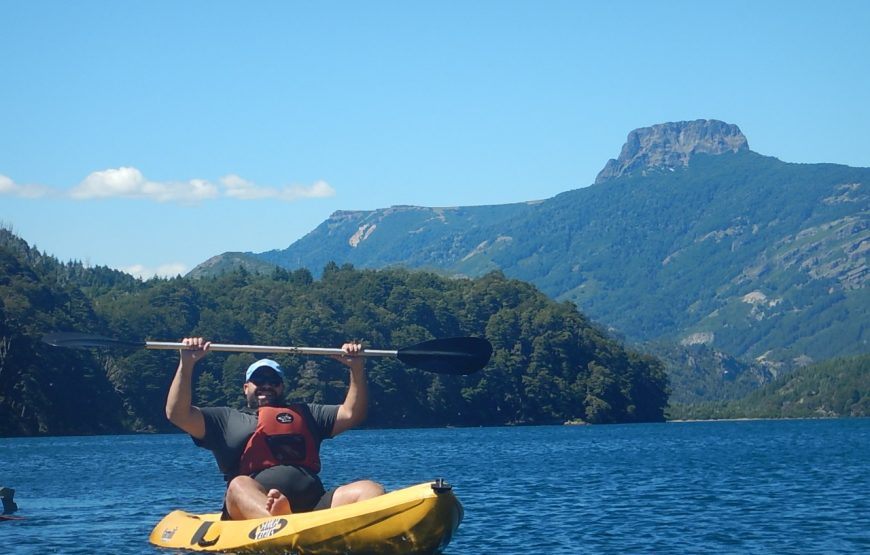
x=356, y=491
x=369, y=489
x=239, y=485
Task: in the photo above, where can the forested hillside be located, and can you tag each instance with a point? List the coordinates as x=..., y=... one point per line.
x=699, y=373
x=834, y=388
x=754, y=257
x=45, y=390
x=550, y=363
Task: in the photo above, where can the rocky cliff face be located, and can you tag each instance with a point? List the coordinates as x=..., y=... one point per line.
x=671, y=145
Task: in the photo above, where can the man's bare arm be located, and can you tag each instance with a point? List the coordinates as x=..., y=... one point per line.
x=353, y=411
x=179, y=405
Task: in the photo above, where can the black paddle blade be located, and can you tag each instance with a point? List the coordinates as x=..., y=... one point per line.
x=85, y=341
x=454, y=355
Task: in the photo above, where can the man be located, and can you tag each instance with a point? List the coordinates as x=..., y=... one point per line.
x=269, y=452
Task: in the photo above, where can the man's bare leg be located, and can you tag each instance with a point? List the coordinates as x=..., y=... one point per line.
x=246, y=498
x=356, y=491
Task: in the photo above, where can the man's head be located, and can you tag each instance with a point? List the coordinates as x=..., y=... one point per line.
x=264, y=383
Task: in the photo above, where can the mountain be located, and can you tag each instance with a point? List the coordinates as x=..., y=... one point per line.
x=688, y=237
x=831, y=389
x=672, y=145
x=230, y=261
x=699, y=373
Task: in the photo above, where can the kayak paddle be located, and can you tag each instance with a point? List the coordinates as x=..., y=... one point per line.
x=454, y=355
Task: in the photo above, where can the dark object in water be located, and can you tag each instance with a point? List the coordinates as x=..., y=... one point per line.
x=6, y=495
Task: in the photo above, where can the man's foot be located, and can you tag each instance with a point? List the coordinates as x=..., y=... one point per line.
x=277, y=503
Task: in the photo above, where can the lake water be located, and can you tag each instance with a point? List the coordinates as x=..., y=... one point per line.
x=798, y=486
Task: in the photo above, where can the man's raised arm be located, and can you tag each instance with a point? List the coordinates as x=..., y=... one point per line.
x=179, y=405
x=353, y=411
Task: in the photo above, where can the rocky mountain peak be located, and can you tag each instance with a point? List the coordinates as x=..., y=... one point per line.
x=671, y=145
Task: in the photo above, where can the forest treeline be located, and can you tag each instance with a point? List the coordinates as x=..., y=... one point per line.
x=550, y=363
x=832, y=388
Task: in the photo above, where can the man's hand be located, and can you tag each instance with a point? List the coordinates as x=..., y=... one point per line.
x=351, y=358
x=194, y=349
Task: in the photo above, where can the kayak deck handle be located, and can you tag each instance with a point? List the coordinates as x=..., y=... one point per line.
x=441, y=486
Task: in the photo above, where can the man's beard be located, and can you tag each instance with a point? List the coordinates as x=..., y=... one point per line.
x=263, y=399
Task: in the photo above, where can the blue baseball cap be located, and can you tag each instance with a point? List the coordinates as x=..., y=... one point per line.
x=264, y=362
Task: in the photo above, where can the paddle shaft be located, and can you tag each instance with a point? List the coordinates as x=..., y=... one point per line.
x=452, y=355
x=228, y=347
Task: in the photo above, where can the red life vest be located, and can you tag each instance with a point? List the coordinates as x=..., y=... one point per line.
x=282, y=436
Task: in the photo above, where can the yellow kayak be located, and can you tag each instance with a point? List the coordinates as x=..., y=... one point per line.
x=417, y=519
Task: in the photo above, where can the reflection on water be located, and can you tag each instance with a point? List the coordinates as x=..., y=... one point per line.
x=746, y=487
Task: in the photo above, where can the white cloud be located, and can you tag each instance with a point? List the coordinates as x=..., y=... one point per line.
x=128, y=182
x=237, y=187
x=166, y=270
x=9, y=187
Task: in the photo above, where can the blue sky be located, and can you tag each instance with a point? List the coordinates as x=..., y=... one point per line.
x=150, y=136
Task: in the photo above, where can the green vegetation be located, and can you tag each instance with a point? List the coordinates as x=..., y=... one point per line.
x=838, y=387
x=764, y=255
x=699, y=373
x=550, y=363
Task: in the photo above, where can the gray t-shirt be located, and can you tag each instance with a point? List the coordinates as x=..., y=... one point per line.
x=227, y=431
